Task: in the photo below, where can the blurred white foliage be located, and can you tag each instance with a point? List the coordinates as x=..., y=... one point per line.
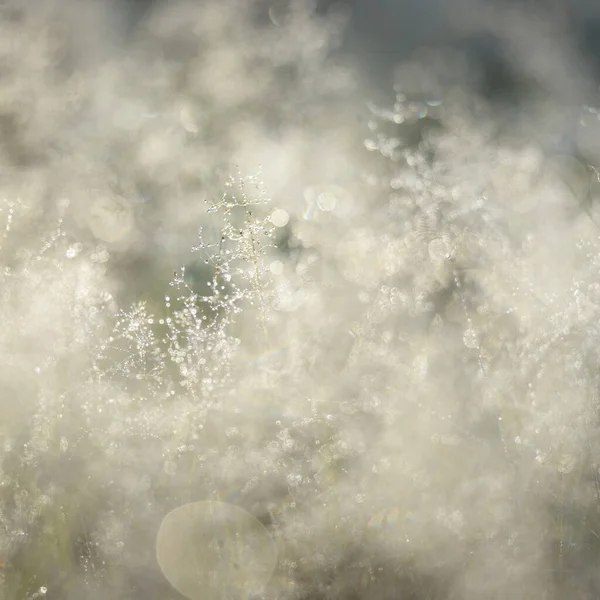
x=392, y=365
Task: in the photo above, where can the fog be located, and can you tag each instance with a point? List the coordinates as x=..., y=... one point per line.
x=299, y=301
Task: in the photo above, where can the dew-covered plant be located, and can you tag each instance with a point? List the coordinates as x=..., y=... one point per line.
x=374, y=372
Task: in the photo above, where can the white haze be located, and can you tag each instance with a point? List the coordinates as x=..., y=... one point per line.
x=383, y=344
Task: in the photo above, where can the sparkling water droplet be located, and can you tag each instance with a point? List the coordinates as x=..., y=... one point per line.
x=470, y=338
x=74, y=250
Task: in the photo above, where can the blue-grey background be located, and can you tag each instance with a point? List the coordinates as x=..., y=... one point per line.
x=384, y=32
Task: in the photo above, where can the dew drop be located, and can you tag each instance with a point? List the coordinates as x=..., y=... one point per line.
x=470, y=338
x=74, y=250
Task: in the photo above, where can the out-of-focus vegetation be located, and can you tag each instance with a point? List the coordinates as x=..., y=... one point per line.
x=261, y=338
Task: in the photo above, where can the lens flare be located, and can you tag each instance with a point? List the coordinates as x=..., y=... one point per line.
x=211, y=550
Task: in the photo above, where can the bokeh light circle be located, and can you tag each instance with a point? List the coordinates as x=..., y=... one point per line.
x=212, y=550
